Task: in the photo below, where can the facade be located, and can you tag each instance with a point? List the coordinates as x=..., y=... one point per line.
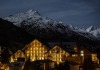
x=57, y=54
x=4, y=66
x=75, y=55
x=16, y=56
x=36, y=50
x=94, y=58
x=48, y=58
x=80, y=53
x=86, y=53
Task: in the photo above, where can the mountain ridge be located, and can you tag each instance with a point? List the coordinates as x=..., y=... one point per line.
x=32, y=17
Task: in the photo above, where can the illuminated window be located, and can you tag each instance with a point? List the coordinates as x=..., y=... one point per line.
x=74, y=55
x=36, y=50
x=94, y=58
x=42, y=58
x=82, y=53
x=57, y=54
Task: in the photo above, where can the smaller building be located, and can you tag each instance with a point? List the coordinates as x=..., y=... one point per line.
x=57, y=54
x=80, y=53
x=4, y=66
x=18, y=56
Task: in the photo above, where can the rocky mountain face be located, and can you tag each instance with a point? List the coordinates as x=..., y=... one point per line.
x=46, y=28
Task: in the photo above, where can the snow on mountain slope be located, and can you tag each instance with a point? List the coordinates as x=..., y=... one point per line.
x=18, y=18
x=96, y=33
x=91, y=28
x=34, y=19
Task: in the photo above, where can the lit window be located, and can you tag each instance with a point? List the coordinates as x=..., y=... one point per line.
x=82, y=53
x=42, y=58
x=31, y=54
x=39, y=51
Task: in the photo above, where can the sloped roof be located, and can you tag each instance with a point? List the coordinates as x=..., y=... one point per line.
x=44, y=43
x=63, y=45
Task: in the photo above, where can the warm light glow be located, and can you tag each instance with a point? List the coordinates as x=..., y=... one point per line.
x=4, y=66
x=19, y=54
x=82, y=53
x=11, y=59
x=36, y=50
x=57, y=54
x=94, y=58
x=74, y=55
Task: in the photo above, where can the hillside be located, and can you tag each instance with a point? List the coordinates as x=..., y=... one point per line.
x=12, y=36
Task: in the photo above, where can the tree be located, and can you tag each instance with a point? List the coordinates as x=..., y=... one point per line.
x=5, y=55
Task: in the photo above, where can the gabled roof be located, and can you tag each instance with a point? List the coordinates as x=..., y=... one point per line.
x=67, y=46
x=44, y=43
x=86, y=50
x=58, y=47
x=20, y=52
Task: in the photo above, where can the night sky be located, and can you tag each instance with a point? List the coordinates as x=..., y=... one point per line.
x=80, y=13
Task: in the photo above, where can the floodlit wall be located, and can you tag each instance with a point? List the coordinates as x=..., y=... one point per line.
x=18, y=54
x=57, y=54
x=94, y=58
x=36, y=50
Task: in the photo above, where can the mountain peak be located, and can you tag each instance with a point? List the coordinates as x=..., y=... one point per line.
x=34, y=19
x=18, y=18
x=32, y=12
x=91, y=28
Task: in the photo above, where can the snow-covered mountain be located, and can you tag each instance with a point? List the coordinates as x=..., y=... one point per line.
x=91, y=28
x=96, y=33
x=29, y=16
x=32, y=20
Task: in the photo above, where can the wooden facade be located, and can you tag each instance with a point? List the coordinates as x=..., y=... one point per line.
x=57, y=54
x=18, y=55
x=36, y=50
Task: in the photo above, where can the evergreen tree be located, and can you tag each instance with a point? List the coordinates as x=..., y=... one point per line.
x=5, y=55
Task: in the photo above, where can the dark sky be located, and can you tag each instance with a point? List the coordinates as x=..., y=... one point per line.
x=76, y=12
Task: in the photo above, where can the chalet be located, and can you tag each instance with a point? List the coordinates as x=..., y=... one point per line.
x=57, y=54
x=75, y=56
x=35, y=50
x=85, y=53
x=68, y=46
x=18, y=55
x=80, y=53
